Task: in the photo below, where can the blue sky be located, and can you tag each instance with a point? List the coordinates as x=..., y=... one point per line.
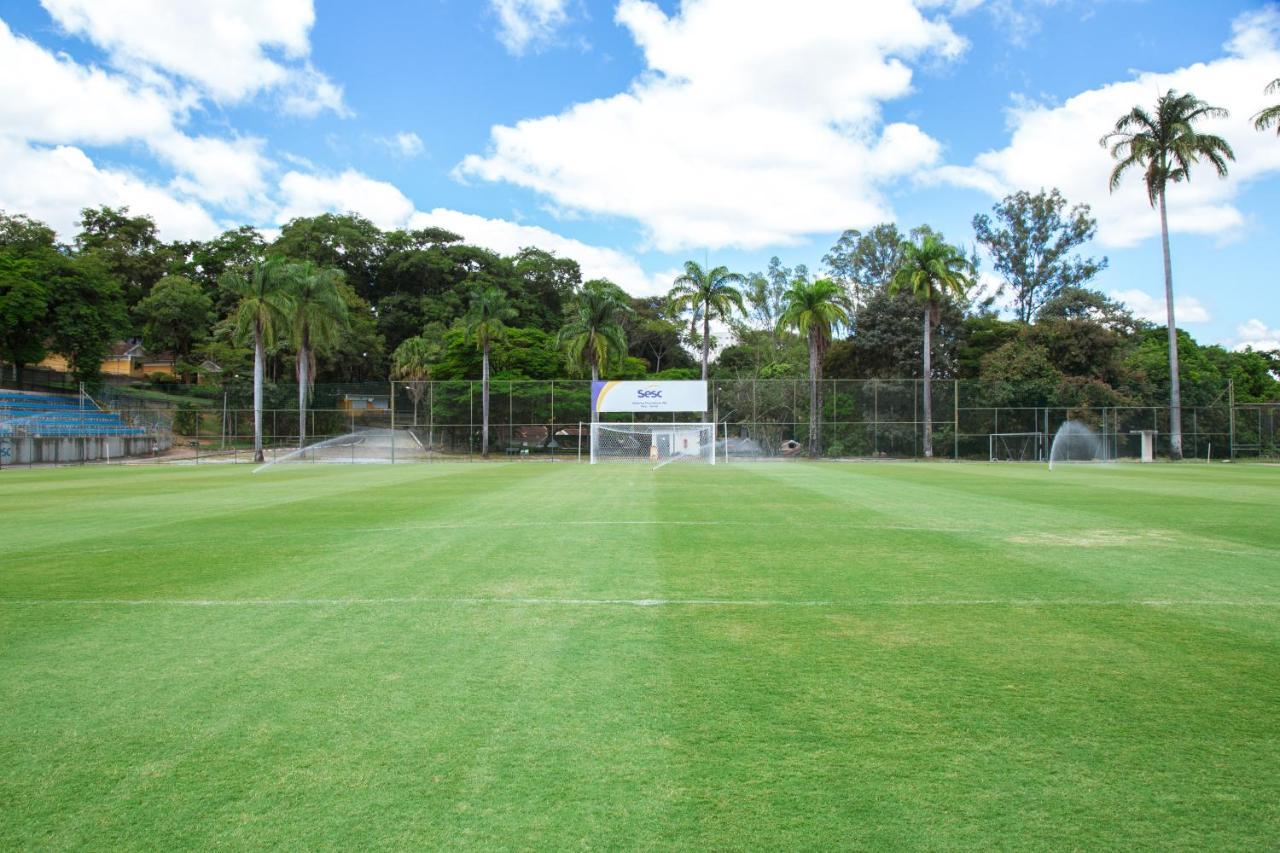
x=632, y=134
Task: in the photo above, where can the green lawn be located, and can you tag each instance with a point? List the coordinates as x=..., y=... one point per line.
x=554, y=655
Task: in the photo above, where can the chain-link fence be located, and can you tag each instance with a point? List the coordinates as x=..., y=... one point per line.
x=756, y=419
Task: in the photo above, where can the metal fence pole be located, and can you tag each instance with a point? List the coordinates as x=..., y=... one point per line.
x=1231, y=419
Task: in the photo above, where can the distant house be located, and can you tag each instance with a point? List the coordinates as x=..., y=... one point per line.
x=357, y=403
x=126, y=359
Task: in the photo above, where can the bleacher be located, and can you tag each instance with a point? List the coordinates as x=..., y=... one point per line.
x=44, y=415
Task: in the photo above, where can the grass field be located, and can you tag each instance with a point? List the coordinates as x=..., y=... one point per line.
x=553, y=655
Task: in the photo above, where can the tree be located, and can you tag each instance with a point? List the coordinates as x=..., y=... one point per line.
x=548, y=284
x=653, y=335
x=86, y=313
x=593, y=337
x=931, y=271
x=1166, y=145
x=318, y=318
x=127, y=246
x=24, y=305
x=814, y=311
x=864, y=263
x=708, y=294
x=343, y=241
x=263, y=310
x=484, y=323
x=1032, y=243
x=413, y=361
x=175, y=316
x=1271, y=115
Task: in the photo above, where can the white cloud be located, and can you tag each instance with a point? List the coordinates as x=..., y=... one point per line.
x=1256, y=334
x=304, y=194
x=53, y=184
x=230, y=49
x=405, y=144
x=1057, y=146
x=228, y=173
x=506, y=237
x=48, y=98
x=52, y=100
x=523, y=24
x=1187, y=309
x=749, y=128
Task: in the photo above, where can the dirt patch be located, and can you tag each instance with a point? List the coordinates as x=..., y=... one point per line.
x=1094, y=538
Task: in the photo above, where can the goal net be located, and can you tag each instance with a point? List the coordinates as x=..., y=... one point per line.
x=656, y=444
x=1017, y=446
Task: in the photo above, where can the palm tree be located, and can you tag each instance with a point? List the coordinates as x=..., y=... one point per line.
x=1166, y=145
x=264, y=307
x=485, y=321
x=708, y=294
x=413, y=362
x=318, y=319
x=593, y=336
x=814, y=310
x=1271, y=115
x=931, y=271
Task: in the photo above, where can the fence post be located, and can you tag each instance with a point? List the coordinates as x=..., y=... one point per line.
x=955, y=428
x=1231, y=419
x=393, y=423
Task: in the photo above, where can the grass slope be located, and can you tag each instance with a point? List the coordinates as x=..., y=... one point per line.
x=930, y=656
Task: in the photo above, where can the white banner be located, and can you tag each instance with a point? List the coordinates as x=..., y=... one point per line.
x=655, y=396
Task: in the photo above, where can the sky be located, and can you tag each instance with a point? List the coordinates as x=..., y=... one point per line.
x=632, y=135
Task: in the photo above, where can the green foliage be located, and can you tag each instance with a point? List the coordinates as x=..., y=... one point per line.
x=86, y=313
x=518, y=354
x=593, y=339
x=863, y=264
x=175, y=316
x=1032, y=242
x=345, y=242
x=24, y=305
x=1165, y=144
x=127, y=247
x=706, y=295
x=1271, y=115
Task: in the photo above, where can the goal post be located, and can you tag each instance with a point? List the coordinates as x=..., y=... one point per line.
x=1017, y=447
x=657, y=444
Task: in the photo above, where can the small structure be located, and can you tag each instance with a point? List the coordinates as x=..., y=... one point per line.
x=357, y=403
x=1148, y=443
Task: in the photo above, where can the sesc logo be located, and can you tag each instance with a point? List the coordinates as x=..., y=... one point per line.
x=649, y=395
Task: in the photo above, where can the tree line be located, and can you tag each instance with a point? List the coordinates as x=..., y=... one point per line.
x=333, y=298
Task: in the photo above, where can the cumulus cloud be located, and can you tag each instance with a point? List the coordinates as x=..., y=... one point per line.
x=48, y=100
x=53, y=184
x=302, y=194
x=1057, y=146
x=1187, y=309
x=1255, y=334
x=525, y=24
x=753, y=125
x=230, y=49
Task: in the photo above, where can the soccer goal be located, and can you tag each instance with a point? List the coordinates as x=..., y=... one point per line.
x=656, y=444
x=1016, y=446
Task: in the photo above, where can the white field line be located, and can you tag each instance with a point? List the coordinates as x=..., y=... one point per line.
x=636, y=602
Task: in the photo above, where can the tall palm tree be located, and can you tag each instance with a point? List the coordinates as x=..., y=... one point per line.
x=814, y=310
x=1271, y=115
x=593, y=336
x=485, y=322
x=318, y=319
x=931, y=270
x=413, y=362
x=264, y=308
x=708, y=294
x=1165, y=145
